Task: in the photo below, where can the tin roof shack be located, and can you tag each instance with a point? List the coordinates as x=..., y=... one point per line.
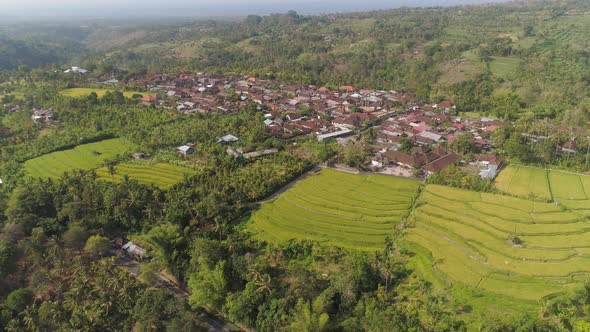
x=186, y=150
x=43, y=115
x=227, y=139
x=134, y=251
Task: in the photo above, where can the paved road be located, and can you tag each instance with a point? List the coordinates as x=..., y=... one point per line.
x=211, y=322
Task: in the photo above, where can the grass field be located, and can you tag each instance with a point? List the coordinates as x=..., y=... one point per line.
x=162, y=175
x=504, y=66
x=467, y=234
x=87, y=156
x=82, y=92
x=336, y=208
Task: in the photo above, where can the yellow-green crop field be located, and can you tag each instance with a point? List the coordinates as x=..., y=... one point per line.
x=82, y=92
x=569, y=189
x=468, y=235
x=86, y=157
x=162, y=175
x=529, y=182
x=336, y=208
x=499, y=254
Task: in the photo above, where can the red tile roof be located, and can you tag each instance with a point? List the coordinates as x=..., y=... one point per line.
x=442, y=163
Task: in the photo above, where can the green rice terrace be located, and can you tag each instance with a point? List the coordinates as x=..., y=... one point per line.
x=85, y=157
x=162, y=175
x=336, y=208
x=567, y=189
x=506, y=251
x=523, y=249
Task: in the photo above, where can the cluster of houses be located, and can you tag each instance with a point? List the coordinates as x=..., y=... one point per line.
x=288, y=110
x=431, y=128
x=291, y=110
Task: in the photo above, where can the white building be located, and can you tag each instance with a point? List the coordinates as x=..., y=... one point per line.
x=76, y=70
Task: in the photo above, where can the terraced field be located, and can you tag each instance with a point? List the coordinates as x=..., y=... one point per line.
x=86, y=156
x=568, y=189
x=162, y=175
x=336, y=208
x=523, y=181
x=469, y=237
x=82, y=92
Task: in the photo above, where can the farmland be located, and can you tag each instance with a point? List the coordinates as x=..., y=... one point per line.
x=162, y=175
x=81, y=92
x=568, y=189
x=336, y=208
x=86, y=156
x=524, y=182
x=493, y=251
x=504, y=66
x=506, y=246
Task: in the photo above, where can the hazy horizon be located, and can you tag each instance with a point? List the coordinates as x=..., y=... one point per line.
x=118, y=8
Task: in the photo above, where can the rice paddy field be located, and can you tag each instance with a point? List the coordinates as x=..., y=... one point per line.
x=162, y=175
x=523, y=181
x=336, y=208
x=469, y=235
x=86, y=157
x=570, y=190
x=82, y=92
x=497, y=254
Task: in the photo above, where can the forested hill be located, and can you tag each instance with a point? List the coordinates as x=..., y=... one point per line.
x=537, y=50
x=16, y=52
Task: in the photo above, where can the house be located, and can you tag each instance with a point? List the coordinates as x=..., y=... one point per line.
x=249, y=155
x=134, y=250
x=441, y=163
x=227, y=139
x=344, y=122
x=257, y=154
x=149, y=99
x=186, y=150
x=294, y=116
x=111, y=82
x=570, y=147
x=415, y=160
x=140, y=156
x=430, y=135
x=76, y=70
x=489, y=165
x=335, y=134
x=377, y=161
x=445, y=105
x=42, y=115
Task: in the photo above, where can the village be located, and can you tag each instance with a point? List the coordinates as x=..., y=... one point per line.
x=409, y=137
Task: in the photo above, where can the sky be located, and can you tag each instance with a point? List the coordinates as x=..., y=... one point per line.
x=120, y=8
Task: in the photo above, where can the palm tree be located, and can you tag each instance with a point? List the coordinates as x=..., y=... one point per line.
x=309, y=318
x=54, y=253
x=111, y=169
